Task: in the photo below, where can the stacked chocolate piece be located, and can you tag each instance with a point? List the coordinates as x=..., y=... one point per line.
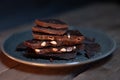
x=53, y=39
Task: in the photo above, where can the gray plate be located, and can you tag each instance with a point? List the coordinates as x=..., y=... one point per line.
x=10, y=43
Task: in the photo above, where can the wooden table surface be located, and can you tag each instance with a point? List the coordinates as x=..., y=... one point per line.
x=105, y=17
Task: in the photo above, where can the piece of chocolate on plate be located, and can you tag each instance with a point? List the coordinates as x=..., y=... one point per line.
x=57, y=56
x=50, y=26
x=21, y=47
x=52, y=23
x=70, y=35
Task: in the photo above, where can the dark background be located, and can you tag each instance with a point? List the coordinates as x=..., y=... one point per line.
x=17, y=12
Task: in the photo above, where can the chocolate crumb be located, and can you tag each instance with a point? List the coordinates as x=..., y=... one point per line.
x=21, y=47
x=51, y=60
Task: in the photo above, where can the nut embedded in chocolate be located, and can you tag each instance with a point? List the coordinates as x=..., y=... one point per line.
x=53, y=42
x=43, y=43
x=63, y=50
x=54, y=49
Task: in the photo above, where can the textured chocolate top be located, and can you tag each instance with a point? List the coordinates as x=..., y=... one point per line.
x=55, y=21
